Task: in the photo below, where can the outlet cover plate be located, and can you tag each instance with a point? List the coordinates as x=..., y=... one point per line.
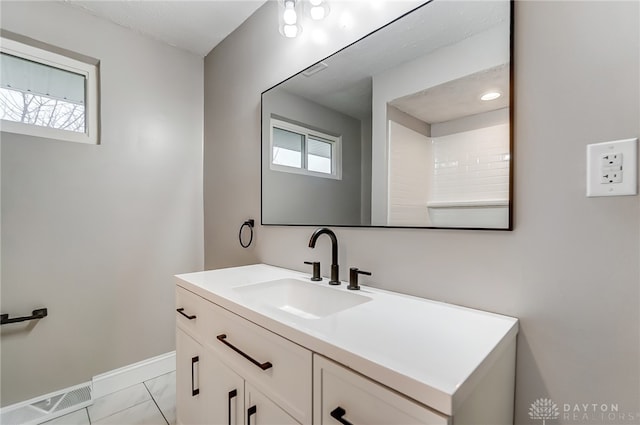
x=629, y=167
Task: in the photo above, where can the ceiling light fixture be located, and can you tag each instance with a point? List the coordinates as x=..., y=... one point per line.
x=492, y=95
x=290, y=31
x=289, y=16
x=319, y=9
x=288, y=13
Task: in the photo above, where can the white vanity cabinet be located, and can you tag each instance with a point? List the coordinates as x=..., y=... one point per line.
x=343, y=396
x=207, y=391
x=292, y=351
x=219, y=379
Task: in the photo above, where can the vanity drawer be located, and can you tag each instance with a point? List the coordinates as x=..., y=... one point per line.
x=190, y=312
x=343, y=396
x=274, y=365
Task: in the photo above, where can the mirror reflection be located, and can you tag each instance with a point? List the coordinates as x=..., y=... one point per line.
x=408, y=127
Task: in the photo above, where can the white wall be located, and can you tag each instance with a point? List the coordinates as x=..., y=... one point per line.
x=95, y=233
x=410, y=176
x=570, y=268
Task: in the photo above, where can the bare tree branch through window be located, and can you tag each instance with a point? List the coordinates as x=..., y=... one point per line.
x=43, y=111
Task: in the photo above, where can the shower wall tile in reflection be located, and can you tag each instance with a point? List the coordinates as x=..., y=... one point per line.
x=471, y=165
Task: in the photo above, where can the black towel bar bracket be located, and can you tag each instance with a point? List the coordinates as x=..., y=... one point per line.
x=36, y=314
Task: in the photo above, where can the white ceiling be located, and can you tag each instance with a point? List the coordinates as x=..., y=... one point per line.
x=458, y=98
x=198, y=26
x=193, y=25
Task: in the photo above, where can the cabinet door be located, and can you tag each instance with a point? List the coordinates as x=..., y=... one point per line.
x=188, y=377
x=259, y=410
x=341, y=396
x=223, y=392
x=207, y=391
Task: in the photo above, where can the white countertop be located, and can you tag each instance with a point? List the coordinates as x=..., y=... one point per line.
x=430, y=351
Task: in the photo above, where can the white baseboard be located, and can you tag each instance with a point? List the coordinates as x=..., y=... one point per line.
x=127, y=376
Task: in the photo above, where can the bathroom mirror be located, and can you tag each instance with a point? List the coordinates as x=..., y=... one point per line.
x=408, y=127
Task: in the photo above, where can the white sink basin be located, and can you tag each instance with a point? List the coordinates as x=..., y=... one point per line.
x=304, y=299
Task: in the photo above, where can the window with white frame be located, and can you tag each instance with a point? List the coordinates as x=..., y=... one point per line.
x=301, y=150
x=46, y=94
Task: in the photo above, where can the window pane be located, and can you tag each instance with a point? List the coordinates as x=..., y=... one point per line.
x=42, y=95
x=319, y=147
x=319, y=164
x=31, y=77
x=40, y=110
x=287, y=148
x=319, y=155
x=287, y=157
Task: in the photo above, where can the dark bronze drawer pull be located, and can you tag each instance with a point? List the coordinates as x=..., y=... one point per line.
x=264, y=366
x=35, y=315
x=232, y=394
x=338, y=414
x=194, y=391
x=181, y=311
x=251, y=411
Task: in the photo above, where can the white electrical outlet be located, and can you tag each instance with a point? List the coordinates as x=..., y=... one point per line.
x=612, y=160
x=611, y=177
x=612, y=168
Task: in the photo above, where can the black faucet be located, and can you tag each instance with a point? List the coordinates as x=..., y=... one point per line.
x=335, y=270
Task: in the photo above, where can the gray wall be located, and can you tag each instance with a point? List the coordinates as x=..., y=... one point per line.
x=251, y=60
x=365, y=169
x=95, y=233
x=409, y=121
x=300, y=199
x=569, y=270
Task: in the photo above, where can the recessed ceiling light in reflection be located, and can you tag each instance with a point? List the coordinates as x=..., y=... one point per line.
x=492, y=95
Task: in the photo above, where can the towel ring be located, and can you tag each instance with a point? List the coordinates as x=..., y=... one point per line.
x=250, y=223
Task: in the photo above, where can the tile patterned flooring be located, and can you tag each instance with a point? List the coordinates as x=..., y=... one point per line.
x=152, y=402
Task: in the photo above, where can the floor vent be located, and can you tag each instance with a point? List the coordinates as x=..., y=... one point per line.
x=47, y=407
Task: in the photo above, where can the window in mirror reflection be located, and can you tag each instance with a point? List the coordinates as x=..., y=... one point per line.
x=301, y=150
x=319, y=155
x=287, y=148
